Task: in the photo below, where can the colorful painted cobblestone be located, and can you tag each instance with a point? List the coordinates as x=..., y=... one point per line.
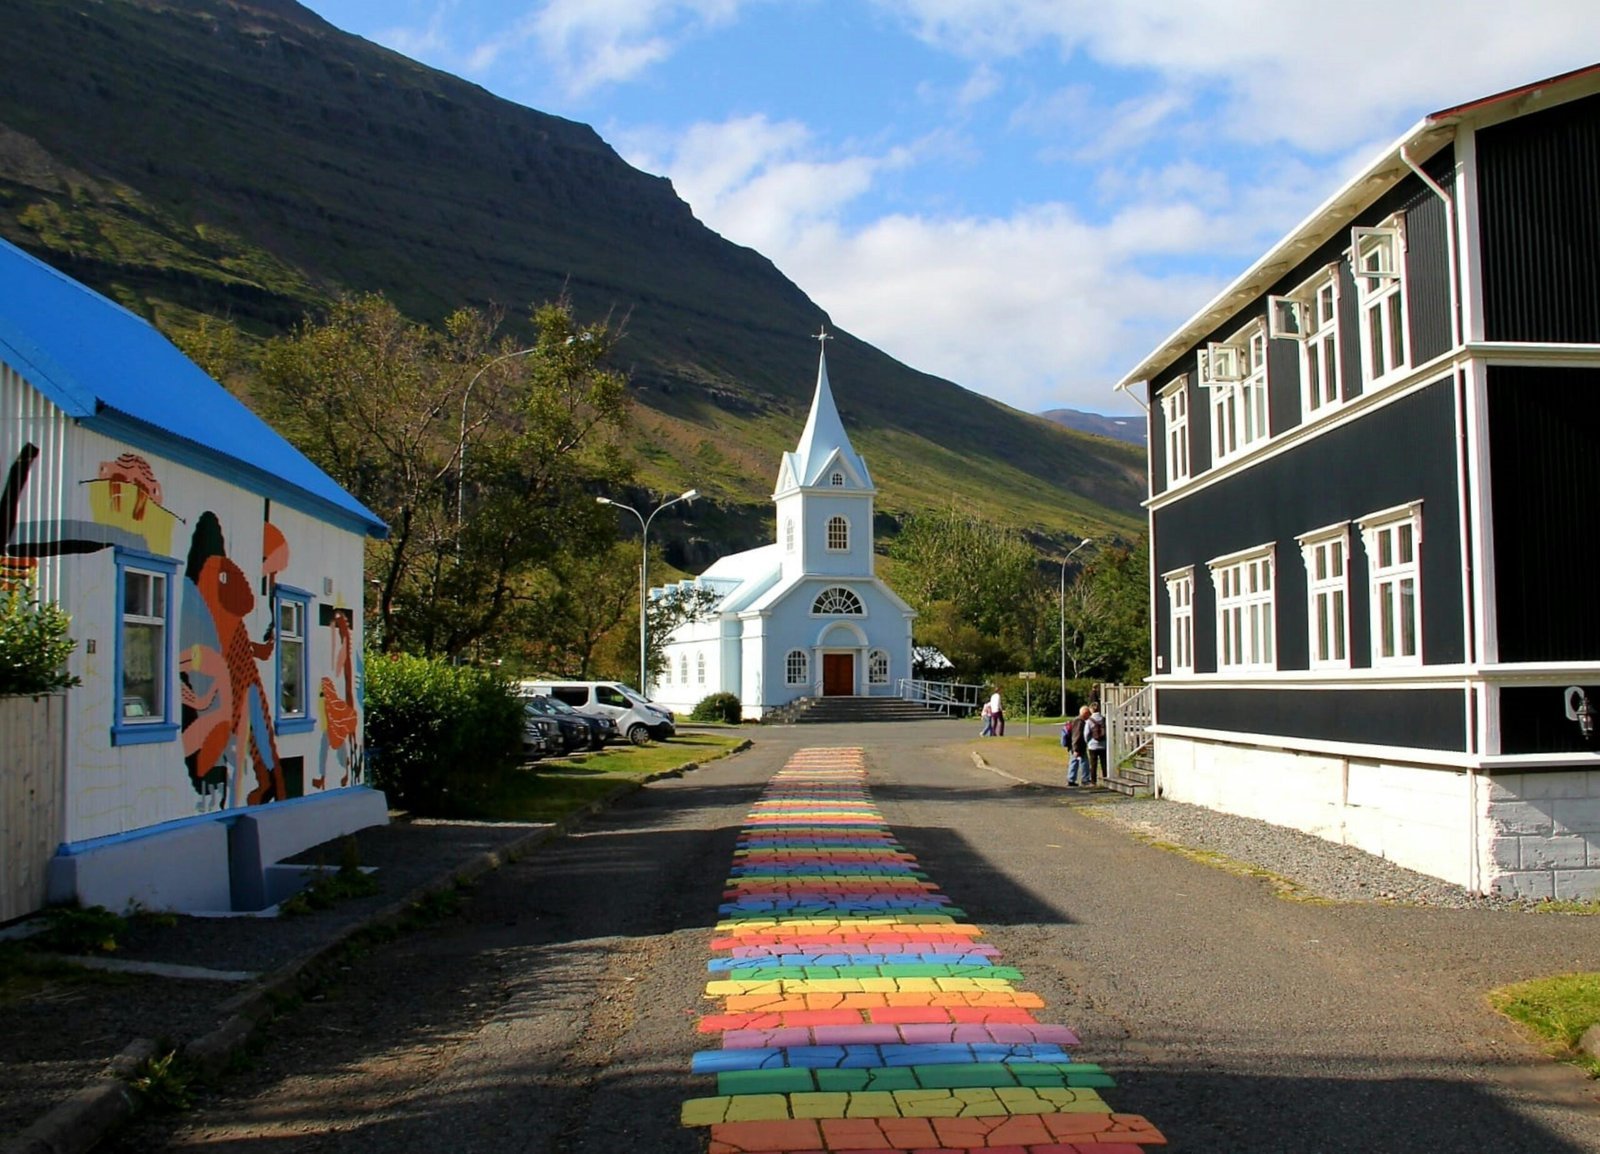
x=860, y=1013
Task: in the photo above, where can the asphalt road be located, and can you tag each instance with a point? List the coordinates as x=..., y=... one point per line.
x=557, y=1012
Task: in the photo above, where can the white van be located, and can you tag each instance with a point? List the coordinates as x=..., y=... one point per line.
x=637, y=719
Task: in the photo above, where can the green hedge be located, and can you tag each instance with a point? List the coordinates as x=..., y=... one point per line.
x=1046, y=695
x=719, y=707
x=438, y=734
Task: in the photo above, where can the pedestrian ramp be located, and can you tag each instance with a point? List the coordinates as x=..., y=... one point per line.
x=859, y=1011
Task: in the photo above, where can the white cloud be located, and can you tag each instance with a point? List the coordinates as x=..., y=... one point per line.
x=1317, y=77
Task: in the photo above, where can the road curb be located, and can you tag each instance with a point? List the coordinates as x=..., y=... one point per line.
x=76, y=1125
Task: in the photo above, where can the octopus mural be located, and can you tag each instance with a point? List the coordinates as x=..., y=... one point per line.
x=229, y=742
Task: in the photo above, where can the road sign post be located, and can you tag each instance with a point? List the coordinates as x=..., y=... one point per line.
x=1027, y=702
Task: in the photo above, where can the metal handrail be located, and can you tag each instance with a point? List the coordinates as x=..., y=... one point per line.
x=947, y=696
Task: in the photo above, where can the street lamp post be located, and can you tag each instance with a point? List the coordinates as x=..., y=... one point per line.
x=1064, y=560
x=644, y=561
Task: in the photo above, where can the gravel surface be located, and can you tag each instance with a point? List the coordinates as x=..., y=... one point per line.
x=1315, y=867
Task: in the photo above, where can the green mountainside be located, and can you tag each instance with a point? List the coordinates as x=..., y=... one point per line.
x=246, y=159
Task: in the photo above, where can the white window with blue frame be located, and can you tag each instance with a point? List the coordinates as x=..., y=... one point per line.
x=144, y=709
x=291, y=609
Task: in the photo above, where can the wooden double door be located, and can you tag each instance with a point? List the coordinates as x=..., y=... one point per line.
x=838, y=675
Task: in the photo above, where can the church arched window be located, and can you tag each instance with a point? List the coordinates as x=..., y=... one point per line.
x=788, y=535
x=878, y=668
x=838, y=534
x=795, y=667
x=700, y=667
x=838, y=600
x=837, y=480
x=683, y=669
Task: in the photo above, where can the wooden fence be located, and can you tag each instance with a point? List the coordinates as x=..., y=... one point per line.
x=33, y=766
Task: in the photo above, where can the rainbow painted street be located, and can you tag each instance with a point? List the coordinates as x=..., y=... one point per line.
x=860, y=1011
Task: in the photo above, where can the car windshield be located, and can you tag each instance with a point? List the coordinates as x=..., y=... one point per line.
x=556, y=705
x=537, y=705
x=633, y=694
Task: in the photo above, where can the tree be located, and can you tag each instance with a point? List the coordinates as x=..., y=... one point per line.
x=478, y=453
x=1108, y=617
x=675, y=605
x=34, y=643
x=976, y=587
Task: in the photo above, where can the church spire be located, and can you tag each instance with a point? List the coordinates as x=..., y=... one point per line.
x=824, y=438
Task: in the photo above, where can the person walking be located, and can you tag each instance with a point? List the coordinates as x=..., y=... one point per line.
x=997, y=714
x=988, y=720
x=1094, y=730
x=1078, y=749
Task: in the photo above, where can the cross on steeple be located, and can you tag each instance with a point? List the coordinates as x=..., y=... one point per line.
x=823, y=335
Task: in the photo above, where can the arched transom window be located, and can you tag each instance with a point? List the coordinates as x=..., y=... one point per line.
x=838, y=534
x=838, y=600
x=878, y=668
x=795, y=667
x=838, y=480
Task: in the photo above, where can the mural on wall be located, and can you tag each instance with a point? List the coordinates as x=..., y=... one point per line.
x=229, y=741
x=22, y=544
x=341, y=706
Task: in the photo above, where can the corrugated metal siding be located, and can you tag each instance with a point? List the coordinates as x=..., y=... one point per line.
x=1544, y=429
x=1428, y=278
x=1539, y=225
x=26, y=418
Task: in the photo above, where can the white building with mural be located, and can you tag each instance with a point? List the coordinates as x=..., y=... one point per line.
x=214, y=580
x=805, y=616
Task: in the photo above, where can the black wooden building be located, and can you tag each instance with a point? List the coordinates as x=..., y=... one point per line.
x=1374, y=472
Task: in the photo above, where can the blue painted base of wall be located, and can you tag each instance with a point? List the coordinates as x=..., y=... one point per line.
x=227, y=864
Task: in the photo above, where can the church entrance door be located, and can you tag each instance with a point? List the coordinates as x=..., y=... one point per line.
x=838, y=675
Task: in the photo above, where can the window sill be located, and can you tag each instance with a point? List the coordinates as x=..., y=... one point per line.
x=152, y=734
x=296, y=724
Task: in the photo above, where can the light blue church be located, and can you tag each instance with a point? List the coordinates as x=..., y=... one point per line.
x=805, y=616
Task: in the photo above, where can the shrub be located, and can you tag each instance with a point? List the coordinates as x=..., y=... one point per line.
x=34, y=645
x=719, y=707
x=438, y=734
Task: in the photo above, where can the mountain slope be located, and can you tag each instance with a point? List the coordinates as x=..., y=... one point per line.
x=244, y=157
x=1129, y=429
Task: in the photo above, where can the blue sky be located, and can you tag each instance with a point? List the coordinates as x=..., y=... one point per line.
x=1023, y=196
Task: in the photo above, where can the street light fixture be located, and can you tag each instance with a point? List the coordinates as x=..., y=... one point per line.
x=1064, y=560
x=644, y=561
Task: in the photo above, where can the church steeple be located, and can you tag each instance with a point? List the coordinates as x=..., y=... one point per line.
x=824, y=447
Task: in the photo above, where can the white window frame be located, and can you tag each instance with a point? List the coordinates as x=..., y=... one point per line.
x=1394, y=583
x=796, y=667
x=1246, y=585
x=836, y=600
x=878, y=668
x=1377, y=261
x=788, y=535
x=1175, y=416
x=838, y=530
x=683, y=669
x=700, y=667
x=837, y=480
x=1180, y=618
x=1310, y=316
x=1235, y=371
x=1326, y=553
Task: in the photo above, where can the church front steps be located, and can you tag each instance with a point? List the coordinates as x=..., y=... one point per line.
x=834, y=710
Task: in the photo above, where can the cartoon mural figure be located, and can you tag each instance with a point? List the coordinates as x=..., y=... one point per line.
x=341, y=708
x=21, y=545
x=227, y=711
x=131, y=469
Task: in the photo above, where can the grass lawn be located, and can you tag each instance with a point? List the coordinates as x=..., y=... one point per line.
x=550, y=789
x=1557, y=1010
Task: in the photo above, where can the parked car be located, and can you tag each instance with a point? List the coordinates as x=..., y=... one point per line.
x=601, y=729
x=541, y=736
x=637, y=719
x=570, y=732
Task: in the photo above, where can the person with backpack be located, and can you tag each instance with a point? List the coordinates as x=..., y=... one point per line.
x=1072, y=736
x=1094, y=731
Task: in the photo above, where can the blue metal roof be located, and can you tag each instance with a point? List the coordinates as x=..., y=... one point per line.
x=114, y=372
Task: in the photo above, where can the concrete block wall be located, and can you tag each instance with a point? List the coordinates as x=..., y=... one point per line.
x=1543, y=834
